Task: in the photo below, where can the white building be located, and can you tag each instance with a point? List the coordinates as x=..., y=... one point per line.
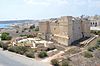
x=95, y=22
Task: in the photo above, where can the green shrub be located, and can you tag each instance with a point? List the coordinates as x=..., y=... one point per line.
x=97, y=46
x=32, y=27
x=99, y=49
x=30, y=36
x=12, y=48
x=88, y=54
x=37, y=28
x=22, y=49
x=98, y=42
x=91, y=49
x=17, y=31
x=50, y=48
x=23, y=35
x=1, y=44
x=95, y=32
x=65, y=63
x=5, y=36
x=54, y=62
x=5, y=46
x=18, y=49
x=73, y=50
x=5, y=33
x=30, y=54
x=42, y=54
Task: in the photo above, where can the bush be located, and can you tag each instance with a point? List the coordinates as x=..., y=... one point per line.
x=17, y=31
x=32, y=27
x=1, y=44
x=98, y=42
x=73, y=50
x=5, y=36
x=30, y=54
x=21, y=49
x=18, y=49
x=30, y=36
x=42, y=54
x=5, y=46
x=96, y=46
x=5, y=33
x=88, y=54
x=91, y=49
x=23, y=35
x=37, y=28
x=95, y=32
x=12, y=48
x=65, y=63
x=50, y=48
x=55, y=62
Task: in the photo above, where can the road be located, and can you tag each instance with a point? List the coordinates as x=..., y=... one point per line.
x=13, y=59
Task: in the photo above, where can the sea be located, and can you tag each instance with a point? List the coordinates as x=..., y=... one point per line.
x=4, y=25
x=7, y=24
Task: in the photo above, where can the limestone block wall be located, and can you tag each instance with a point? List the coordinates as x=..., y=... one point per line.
x=65, y=30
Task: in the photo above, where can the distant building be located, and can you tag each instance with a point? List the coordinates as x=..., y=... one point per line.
x=65, y=30
x=95, y=22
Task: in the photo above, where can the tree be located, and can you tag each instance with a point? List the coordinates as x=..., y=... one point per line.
x=29, y=31
x=32, y=27
x=17, y=31
x=37, y=28
x=23, y=31
x=5, y=33
x=54, y=62
x=5, y=36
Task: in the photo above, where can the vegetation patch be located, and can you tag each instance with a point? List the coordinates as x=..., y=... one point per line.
x=30, y=54
x=73, y=51
x=5, y=36
x=95, y=32
x=65, y=62
x=87, y=54
x=96, y=46
x=28, y=36
x=18, y=49
x=55, y=62
x=42, y=54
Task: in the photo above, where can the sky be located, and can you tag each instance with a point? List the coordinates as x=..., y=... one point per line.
x=44, y=9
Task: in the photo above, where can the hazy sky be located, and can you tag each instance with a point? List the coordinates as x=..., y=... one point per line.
x=39, y=9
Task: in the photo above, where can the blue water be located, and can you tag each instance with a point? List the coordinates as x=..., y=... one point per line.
x=4, y=25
